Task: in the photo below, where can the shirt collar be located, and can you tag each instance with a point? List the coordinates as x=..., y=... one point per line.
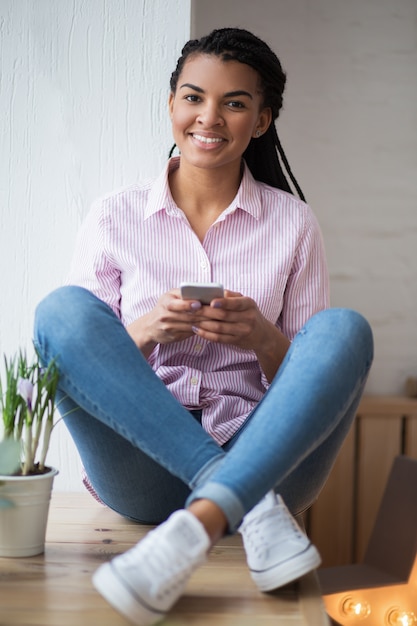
x=248, y=197
x=160, y=197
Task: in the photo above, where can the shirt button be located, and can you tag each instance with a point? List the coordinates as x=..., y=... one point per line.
x=198, y=347
x=194, y=380
x=203, y=265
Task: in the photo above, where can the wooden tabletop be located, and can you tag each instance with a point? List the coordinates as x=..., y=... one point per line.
x=55, y=589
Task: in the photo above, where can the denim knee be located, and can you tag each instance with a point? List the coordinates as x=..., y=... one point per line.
x=346, y=325
x=65, y=315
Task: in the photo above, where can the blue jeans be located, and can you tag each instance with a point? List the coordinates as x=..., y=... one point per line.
x=146, y=455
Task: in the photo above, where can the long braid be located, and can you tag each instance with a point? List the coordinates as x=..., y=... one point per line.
x=264, y=154
x=286, y=164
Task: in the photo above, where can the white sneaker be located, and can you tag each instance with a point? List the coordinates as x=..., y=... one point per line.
x=277, y=550
x=146, y=581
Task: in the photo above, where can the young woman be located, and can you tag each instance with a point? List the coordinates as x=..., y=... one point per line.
x=206, y=418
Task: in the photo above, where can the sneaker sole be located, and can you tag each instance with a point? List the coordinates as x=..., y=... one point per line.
x=287, y=571
x=121, y=598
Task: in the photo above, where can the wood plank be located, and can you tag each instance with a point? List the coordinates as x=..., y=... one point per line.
x=330, y=519
x=387, y=405
x=411, y=437
x=340, y=521
x=379, y=444
x=55, y=588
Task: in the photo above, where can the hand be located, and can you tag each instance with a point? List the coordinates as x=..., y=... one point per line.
x=171, y=320
x=234, y=319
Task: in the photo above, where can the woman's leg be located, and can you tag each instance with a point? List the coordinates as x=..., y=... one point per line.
x=125, y=479
x=318, y=387
x=103, y=372
x=301, y=488
x=309, y=405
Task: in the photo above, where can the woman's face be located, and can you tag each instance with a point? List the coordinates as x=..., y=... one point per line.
x=216, y=110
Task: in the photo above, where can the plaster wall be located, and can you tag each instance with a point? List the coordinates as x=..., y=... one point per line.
x=83, y=93
x=349, y=129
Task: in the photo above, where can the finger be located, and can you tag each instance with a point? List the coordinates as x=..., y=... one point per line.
x=234, y=303
x=219, y=302
x=188, y=306
x=220, y=328
x=215, y=337
x=232, y=294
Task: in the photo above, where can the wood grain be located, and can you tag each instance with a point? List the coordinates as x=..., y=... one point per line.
x=55, y=588
x=341, y=521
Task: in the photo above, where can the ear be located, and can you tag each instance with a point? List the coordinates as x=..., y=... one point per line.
x=263, y=123
x=171, y=104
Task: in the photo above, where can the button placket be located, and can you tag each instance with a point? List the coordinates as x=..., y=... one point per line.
x=194, y=388
x=205, y=267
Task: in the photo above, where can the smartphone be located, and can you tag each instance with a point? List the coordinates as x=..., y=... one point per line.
x=203, y=292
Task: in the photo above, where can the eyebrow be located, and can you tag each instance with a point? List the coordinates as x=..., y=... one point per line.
x=229, y=94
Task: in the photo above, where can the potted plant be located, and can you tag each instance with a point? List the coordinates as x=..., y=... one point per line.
x=27, y=408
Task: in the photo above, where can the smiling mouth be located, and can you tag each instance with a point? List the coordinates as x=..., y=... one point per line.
x=208, y=139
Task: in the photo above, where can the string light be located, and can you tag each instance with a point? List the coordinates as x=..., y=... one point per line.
x=397, y=617
x=357, y=608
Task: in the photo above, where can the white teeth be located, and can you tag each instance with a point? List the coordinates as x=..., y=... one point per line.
x=208, y=139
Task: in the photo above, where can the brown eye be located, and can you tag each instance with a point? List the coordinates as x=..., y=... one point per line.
x=192, y=98
x=236, y=104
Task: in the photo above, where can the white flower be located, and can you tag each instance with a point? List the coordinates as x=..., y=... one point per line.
x=25, y=389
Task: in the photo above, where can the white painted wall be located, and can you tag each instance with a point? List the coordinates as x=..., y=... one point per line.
x=349, y=129
x=83, y=93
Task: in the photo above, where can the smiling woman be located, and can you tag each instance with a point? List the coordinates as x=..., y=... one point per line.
x=215, y=113
x=229, y=44
x=188, y=413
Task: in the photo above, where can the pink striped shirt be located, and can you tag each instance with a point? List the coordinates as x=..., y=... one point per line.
x=136, y=244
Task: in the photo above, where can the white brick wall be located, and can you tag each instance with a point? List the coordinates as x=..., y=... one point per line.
x=350, y=131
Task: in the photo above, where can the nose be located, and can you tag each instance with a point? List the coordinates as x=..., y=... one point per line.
x=210, y=115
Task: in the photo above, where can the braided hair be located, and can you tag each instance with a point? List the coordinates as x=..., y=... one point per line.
x=264, y=154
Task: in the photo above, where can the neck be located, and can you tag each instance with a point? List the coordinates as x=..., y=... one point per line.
x=204, y=190
x=203, y=194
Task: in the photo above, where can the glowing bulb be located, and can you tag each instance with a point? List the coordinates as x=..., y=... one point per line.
x=356, y=608
x=397, y=617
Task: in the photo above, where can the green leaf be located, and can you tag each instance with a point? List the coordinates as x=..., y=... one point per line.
x=9, y=456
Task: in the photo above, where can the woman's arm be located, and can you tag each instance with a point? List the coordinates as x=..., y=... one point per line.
x=271, y=350
x=92, y=266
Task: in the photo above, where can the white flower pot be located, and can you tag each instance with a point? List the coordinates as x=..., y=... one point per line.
x=24, y=507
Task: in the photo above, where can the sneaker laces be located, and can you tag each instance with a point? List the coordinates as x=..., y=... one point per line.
x=269, y=524
x=167, y=568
